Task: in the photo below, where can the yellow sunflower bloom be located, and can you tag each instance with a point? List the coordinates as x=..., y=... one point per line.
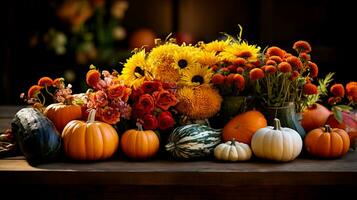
x=161, y=60
x=216, y=46
x=199, y=102
x=184, y=58
x=207, y=58
x=241, y=50
x=196, y=75
x=136, y=70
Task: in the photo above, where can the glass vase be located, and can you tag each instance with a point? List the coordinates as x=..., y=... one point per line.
x=287, y=116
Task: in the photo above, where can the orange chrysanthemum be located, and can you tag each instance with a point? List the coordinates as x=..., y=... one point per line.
x=33, y=91
x=275, y=51
x=240, y=70
x=337, y=90
x=240, y=61
x=45, y=81
x=92, y=77
x=295, y=62
x=270, y=69
x=218, y=79
x=284, y=67
x=302, y=46
x=294, y=75
x=239, y=82
x=229, y=79
x=271, y=62
x=352, y=93
x=350, y=85
x=310, y=89
x=305, y=56
x=314, y=70
x=256, y=74
x=277, y=59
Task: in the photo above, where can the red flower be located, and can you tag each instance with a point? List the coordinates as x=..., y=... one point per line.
x=239, y=81
x=218, y=79
x=224, y=71
x=151, y=86
x=337, y=90
x=277, y=59
x=294, y=75
x=352, y=93
x=271, y=62
x=305, y=56
x=310, y=89
x=270, y=69
x=314, y=70
x=240, y=62
x=136, y=93
x=229, y=79
x=116, y=91
x=169, y=86
x=109, y=115
x=58, y=83
x=244, y=54
x=146, y=103
x=334, y=100
x=45, y=81
x=232, y=68
x=164, y=99
x=275, y=51
x=92, y=77
x=302, y=46
x=284, y=67
x=33, y=91
x=100, y=98
x=149, y=122
x=165, y=120
x=240, y=70
x=256, y=74
x=295, y=62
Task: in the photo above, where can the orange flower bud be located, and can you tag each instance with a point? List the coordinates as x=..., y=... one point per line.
x=275, y=51
x=45, y=81
x=337, y=90
x=256, y=74
x=284, y=67
x=309, y=89
x=302, y=46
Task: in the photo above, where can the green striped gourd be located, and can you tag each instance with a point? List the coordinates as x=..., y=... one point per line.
x=193, y=141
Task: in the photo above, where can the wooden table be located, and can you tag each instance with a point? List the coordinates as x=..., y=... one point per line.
x=303, y=178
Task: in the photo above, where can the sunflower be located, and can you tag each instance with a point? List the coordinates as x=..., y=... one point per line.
x=184, y=58
x=161, y=60
x=199, y=102
x=216, y=46
x=241, y=50
x=206, y=58
x=136, y=70
x=196, y=75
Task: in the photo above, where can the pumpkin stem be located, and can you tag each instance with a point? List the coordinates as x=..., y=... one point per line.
x=140, y=127
x=233, y=141
x=327, y=128
x=277, y=125
x=91, y=116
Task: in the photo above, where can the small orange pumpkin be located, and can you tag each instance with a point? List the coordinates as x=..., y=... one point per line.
x=243, y=126
x=60, y=114
x=91, y=140
x=327, y=142
x=314, y=116
x=139, y=144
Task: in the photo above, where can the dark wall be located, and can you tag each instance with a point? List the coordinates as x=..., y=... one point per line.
x=325, y=24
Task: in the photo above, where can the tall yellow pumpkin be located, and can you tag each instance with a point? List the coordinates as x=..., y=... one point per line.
x=91, y=140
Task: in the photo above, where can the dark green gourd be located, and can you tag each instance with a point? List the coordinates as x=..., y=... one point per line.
x=36, y=136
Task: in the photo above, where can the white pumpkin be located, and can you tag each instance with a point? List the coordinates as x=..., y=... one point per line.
x=276, y=143
x=232, y=151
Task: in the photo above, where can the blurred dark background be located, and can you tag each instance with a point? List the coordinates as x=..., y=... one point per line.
x=59, y=38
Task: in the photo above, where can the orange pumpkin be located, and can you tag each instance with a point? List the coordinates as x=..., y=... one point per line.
x=243, y=126
x=60, y=114
x=327, y=142
x=314, y=116
x=139, y=144
x=91, y=140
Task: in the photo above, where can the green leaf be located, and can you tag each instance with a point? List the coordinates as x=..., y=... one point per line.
x=337, y=113
x=344, y=107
